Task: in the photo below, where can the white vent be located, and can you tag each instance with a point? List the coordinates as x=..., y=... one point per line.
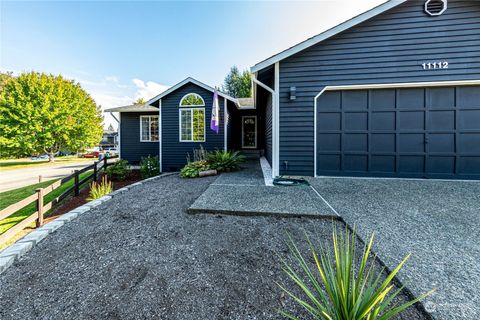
x=435, y=7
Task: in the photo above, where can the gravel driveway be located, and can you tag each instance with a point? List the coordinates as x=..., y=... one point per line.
x=142, y=256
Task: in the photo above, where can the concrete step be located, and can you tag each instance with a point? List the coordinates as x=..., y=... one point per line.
x=252, y=154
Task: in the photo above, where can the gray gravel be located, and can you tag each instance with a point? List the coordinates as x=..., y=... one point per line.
x=142, y=256
x=437, y=221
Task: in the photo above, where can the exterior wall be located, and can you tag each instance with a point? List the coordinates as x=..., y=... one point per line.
x=131, y=148
x=268, y=129
x=389, y=48
x=174, y=152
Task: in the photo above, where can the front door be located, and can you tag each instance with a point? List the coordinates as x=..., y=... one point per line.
x=249, y=132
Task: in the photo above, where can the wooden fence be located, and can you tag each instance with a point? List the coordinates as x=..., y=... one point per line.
x=39, y=195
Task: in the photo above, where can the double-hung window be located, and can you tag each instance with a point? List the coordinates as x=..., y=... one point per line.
x=148, y=128
x=192, y=118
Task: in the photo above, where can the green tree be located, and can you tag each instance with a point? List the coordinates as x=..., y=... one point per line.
x=42, y=113
x=140, y=101
x=238, y=84
x=4, y=77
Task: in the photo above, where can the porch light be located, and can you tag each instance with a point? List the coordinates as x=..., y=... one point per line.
x=293, y=93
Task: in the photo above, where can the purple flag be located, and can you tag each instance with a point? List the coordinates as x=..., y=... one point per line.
x=215, y=122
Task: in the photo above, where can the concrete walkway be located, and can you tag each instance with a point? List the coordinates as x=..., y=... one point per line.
x=438, y=222
x=244, y=193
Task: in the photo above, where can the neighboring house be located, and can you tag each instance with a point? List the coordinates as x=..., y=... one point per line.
x=109, y=138
x=393, y=92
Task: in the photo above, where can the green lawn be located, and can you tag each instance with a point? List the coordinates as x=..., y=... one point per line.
x=9, y=197
x=11, y=164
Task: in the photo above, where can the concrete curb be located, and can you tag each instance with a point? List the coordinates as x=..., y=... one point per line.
x=14, y=252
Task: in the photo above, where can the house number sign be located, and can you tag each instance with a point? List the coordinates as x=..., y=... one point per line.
x=435, y=65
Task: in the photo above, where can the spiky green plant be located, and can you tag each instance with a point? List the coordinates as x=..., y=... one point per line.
x=98, y=190
x=338, y=289
x=222, y=160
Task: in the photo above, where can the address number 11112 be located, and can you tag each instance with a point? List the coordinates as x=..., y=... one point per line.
x=435, y=65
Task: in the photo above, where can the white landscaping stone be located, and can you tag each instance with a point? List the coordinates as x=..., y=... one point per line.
x=35, y=236
x=52, y=226
x=6, y=262
x=17, y=250
x=136, y=184
x=68, y=216
x=105, y=198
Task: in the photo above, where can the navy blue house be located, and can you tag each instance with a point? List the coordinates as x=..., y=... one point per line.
x=393, y=92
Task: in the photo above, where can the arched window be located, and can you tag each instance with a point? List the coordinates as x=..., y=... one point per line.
x=192, y=118
x=192, y=100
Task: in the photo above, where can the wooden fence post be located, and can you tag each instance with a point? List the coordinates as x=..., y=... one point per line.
x=40, y=178
x=77, y=187
x=40, y=207
x=95, y=170
x=104, y=164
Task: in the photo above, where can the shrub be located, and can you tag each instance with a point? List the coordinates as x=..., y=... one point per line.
x=225, y=160
x=119, y=170
x=98, y=190
x=149, y=167
x=192, y=169
x=342, y=290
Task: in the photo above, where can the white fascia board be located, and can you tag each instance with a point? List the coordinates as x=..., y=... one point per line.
x=327, y=34
x=194, y=81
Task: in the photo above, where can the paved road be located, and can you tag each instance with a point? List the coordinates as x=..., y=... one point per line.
x=12, y=179
x=438, y=222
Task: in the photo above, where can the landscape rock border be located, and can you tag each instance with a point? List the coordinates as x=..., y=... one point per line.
x=14, y=252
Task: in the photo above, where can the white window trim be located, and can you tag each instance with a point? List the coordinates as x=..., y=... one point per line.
x=377, y=86
x=180, y=124
x=149, y=128
x=192, y=105
x=256, y=132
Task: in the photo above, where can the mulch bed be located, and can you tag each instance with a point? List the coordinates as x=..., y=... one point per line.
x=74, y=202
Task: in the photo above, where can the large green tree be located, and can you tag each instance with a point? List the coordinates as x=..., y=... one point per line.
x=43, y=113
x=238, y=84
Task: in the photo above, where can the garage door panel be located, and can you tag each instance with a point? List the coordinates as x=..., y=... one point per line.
x=329, y=142
x=330, y=100
x=382, y=99
x=383, y=121
x=469, y=119
x=355, y=142
x=411, y=142
x=468, y=97
x=329, y=162
x=330, y=121
x=469, y=143
x=411, y=98
x=412, y=120
x=356, y=121
x=441, y=165
x=382, y=142
x=441, y=120
x=469, y=165
x=405, y=132
x=441, y=142
x=382, y=163
x=355, y=100
x=412, y=164
x=355, y=163
x=441, y=98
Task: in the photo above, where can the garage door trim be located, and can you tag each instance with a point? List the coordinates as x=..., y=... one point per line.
x=378, y=86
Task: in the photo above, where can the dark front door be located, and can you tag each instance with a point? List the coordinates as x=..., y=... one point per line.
x=410, y=132
x=249, y=132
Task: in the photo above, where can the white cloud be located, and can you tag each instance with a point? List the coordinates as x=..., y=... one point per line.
x=147, y=90
x=112, y=78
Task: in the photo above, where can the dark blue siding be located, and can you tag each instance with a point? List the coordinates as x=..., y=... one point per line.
x=131, y=148
x=389, y=48
x=174, y=152
x=268, y=129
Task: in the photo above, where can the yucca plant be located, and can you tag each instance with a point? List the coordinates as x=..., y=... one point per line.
x=222, y=160
x=98, y=190
x=339, y=289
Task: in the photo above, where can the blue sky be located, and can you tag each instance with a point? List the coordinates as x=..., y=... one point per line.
x=123, y=50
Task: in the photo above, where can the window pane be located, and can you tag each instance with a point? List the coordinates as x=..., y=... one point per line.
x=191, y=100
x=154, y=128
x=145, y=129
x=198, y=125
x=185, y=125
